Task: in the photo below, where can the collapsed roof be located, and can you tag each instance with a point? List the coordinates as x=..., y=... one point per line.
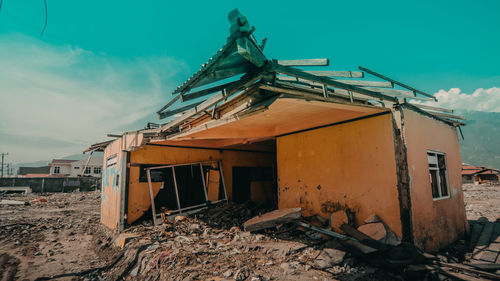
x=241, y=71
x=230, y=93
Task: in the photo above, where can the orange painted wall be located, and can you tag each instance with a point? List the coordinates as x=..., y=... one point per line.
x=351, y=164
x=435, y=223
x=110, y=193
x=138, y=198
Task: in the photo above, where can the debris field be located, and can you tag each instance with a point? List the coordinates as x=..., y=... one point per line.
x=58, y=236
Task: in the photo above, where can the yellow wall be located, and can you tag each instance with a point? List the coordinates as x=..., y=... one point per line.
x=435, y=223
x=348, y=165
x=138, y=197
x=110, y=193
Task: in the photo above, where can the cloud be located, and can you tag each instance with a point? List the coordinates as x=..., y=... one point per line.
x=73, y=95
x=480, y=100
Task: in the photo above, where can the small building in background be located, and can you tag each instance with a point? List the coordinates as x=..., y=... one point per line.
x=76, y=168
x=479, y=175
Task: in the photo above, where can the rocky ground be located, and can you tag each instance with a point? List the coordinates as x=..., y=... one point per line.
x=63, y=238
x=482, y=200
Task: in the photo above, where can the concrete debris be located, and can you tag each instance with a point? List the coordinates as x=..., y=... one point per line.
x=329, y=257
x=273, y=219
x=374, y=230
x=373, y=218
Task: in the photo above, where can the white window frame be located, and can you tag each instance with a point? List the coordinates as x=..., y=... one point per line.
x=87, y=169
x=97, y=169
x=429, y=161
x=57, y=170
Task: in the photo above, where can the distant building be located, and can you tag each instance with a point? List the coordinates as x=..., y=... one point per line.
x=478, y=175
x=33, y=172
x=76, y=168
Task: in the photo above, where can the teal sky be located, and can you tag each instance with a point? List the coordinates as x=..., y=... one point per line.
x=100, y=60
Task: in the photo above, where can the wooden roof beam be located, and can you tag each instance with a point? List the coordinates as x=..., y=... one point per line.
x=350, y=82
x=305, y=62
x=330, y=73
x=327, y=81
x=396, y=82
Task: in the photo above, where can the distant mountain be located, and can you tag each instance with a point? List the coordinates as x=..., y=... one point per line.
x=481, y=146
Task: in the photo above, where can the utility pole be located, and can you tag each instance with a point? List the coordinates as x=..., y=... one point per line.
x=3, y=155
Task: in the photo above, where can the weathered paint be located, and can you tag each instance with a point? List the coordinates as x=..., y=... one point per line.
x=350, y=165
x=138, y=196
x=435, y=223
x=111, y=187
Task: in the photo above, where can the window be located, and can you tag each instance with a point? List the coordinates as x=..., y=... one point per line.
x=87, y=171
x=438, y=175
x=156, y=175
x=97, y=170
x=76, y=168
x=57, y=170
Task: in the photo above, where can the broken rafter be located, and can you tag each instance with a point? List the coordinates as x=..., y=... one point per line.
x=445, y=115
x=168, y=113
x=201, y=93
x=329, y=73
x=245, y=81
x=434, y=108
x=349, y=82
x=396, y=82
x=327, y=81
x=305, y=62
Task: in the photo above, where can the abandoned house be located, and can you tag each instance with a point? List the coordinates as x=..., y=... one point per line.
x=248, y=128
x=479, y=175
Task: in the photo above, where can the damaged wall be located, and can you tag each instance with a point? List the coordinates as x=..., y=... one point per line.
x=139, y=201
x=349, y=165
x=113, y=184
x=436, y=223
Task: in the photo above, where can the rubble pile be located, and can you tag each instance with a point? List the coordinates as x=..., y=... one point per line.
x=212, y=245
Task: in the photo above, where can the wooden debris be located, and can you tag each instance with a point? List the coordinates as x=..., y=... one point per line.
x=273, y=219
x=305, y=62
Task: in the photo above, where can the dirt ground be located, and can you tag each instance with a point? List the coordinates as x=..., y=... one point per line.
x=482, y=200
x=47, y=238
x=64, y=236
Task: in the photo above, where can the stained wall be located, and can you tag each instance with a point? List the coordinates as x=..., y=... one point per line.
x=435, y=223
x=350, y=165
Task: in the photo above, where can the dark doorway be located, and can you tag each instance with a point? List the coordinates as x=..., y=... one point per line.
x=254, y=184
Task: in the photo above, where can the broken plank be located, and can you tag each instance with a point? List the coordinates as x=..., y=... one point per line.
x=469, y=269
x=272, y=219
x=305, y=62
x=435, y=108
x=244, y=82
x=396, y=82
x=169, y=113
x=349, y=82
x=204, y=92
x=172, y=101
x=332, y=73
x=446, y=115
x=291, y=71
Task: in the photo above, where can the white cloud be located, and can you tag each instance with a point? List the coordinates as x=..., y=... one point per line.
x=480, y=100
x=73, y=95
